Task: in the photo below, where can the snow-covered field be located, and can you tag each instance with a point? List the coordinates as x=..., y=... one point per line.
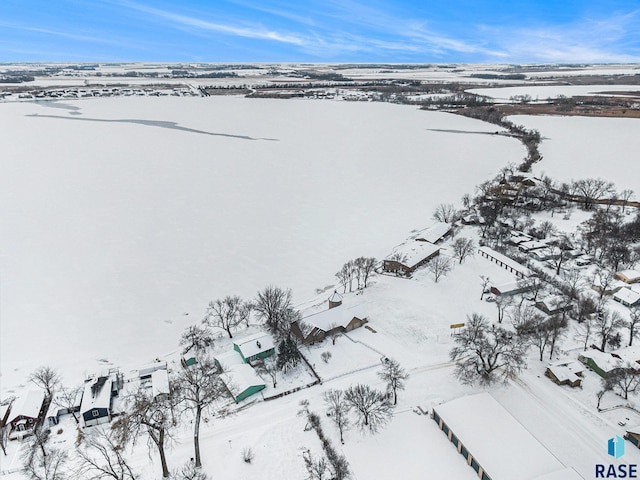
x=117, y=222
x=543, y=92
x=587, y=147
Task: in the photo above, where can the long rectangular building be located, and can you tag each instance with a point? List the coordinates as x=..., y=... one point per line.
x=494, y=443
x=505, y=262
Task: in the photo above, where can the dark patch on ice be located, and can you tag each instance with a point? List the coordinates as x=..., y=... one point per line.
x=466, y=131
x=155, y=123
x=73, y=110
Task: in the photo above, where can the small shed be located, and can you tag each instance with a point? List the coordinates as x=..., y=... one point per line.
x=335, y=300
x=254, y=347
x=96, y=401
x=629, y=276
x=554, y=305
x=242, y=381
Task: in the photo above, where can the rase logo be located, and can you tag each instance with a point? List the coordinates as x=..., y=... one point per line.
x=615, y=448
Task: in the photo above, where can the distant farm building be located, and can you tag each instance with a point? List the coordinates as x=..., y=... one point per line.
x=505, y=262
x=434, y=233
x=242, y=381
x=316, y=327
x=26, y=412
x=629, y=276
x=407, y=257
x=627, y=297
x=494, y=443
x=255, y=347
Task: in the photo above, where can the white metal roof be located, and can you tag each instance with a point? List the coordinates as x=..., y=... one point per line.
x=414, y=251
x=28, y=405
x=434, y=233
x=563, y=373
x=498, y=442
x=335, y=317
x=255, y=344
x=630, y=274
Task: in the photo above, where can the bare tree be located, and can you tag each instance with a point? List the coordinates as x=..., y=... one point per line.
x=584, y=332
x=445, y=212
x=4, y=433
x=633, y=323
x=503, y=302
x=147, y=415
x=199, y=386
x=269, y=366
x=325, y=356
x=66, y=398
x=486, y=352
x=603, y=279
x=51, y=466
x=395, y=376
x=338, y=410
x=46, y=378
x=197, y=338
x=591, y=189
x=318, y=468
x=367, y=266
x=606, y=324
x=625, y=196
x=372, y=406
x=485, y=283
x=226, y=313
x=101, y=456
x=557, y=326
x=624, y=380
x=273, y=306
x=463, y=248
x=439, y=267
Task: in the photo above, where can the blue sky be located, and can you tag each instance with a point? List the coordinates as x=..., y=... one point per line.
x=556, y=31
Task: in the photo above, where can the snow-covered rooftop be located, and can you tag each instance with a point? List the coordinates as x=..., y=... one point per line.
x=434, y=233
x=629, y=275
x=605, y=361
x=627, y=296
x=563, y=373
x=239, y=377
x=498, y=442
x=335, y=317
x=160, y=383
x=506, y=261
x=28, y=405
x=414, y=251
x=564, y=474
x=97, y=394
x=255, y=344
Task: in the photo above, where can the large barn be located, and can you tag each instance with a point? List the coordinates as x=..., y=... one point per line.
x=409, y=256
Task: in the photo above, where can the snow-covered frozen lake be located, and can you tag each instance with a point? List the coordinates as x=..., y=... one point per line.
x=116, y=223
x=588, y=147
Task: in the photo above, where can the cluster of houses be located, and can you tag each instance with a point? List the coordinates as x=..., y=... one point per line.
x=100, y=398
